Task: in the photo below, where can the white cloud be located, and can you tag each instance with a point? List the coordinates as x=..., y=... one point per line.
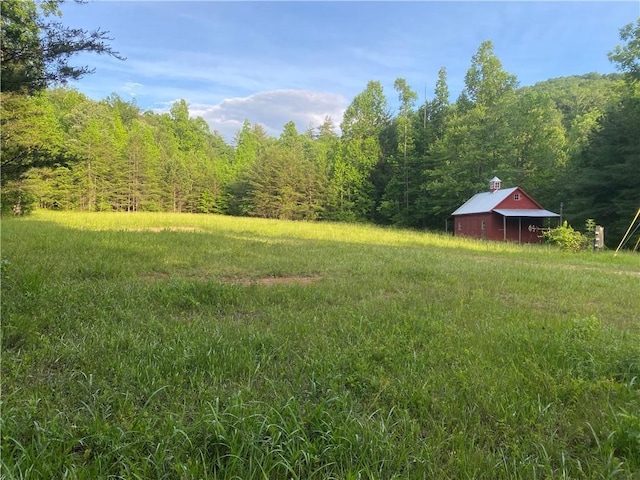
x=272, y=109
x=131, y=87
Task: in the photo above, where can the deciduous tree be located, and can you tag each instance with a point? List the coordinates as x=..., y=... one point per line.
x=627, y=56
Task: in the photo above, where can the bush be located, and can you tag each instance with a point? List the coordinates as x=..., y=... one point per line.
x=566, y=238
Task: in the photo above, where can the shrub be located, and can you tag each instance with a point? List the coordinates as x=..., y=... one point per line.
x=566, y=238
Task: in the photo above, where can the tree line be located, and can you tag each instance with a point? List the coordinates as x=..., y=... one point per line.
x=573, y=143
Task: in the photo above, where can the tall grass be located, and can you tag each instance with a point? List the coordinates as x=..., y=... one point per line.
x=186, y=346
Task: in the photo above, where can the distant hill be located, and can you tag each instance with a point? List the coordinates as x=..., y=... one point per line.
x=579, y=94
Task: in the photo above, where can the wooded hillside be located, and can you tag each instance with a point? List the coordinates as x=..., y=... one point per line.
x=572, y=141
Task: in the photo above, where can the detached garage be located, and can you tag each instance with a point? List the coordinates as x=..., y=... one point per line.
x=507, y=215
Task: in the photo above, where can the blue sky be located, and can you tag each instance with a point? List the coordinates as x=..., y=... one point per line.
x=273, y=62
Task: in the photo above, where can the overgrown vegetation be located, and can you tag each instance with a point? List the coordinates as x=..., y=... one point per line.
x=206, y=346
x=567, y=238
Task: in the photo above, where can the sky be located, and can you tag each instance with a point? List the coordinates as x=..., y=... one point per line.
x=275, y=62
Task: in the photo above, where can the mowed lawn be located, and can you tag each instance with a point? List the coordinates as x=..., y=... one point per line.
x=198, y=346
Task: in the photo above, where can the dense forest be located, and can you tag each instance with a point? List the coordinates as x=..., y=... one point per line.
x=573, y=143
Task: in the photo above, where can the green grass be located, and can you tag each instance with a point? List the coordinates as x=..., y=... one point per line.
x=186, y=347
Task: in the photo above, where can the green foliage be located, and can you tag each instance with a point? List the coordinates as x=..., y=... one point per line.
x=566, y=238
x=284, y=184
x=569, y=141
x=16, y=201
x=362, y=126
x=627, y=57
x=625, y=438
x=250, y=140
x=478, y=139
x=31, y=135
x=538, y=144
x=36, y=51
x=578, y=96
x=485, y=82
x=402, y=188
x=606, y=174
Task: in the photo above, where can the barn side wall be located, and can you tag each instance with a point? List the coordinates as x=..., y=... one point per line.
x=472, y=226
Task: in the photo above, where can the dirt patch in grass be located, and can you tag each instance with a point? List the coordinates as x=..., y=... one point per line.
x=154, y=276
x=165, y=229
x=270, y=280
x=283, y=280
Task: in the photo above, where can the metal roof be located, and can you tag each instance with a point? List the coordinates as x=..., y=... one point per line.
x=488, y=201
x=539, y=213
x=484, y=202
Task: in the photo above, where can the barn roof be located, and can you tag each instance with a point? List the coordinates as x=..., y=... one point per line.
x=484, y=202
x=488, y=201
x=511, y=212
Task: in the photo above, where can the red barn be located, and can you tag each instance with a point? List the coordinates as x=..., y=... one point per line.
x=509, y=214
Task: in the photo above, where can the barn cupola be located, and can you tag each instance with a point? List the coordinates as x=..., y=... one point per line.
x=494, y=184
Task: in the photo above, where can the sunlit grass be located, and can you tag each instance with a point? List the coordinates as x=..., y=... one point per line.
x=193, y=346
x=281, y=229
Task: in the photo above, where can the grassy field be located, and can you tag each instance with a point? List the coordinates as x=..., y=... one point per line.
x=186, y=347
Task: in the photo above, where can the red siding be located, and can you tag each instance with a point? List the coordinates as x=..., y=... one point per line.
x=525, y=201
x=471, y=225
x=517, y=229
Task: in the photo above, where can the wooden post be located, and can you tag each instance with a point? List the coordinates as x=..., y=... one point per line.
x=519, y=229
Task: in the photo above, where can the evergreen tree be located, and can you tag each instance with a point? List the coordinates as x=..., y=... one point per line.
x=403, y=187
x=31, y=135
x=35, y=50
x=363, y=123
x=142, y=172
x=285, y=181
x=429, y=124
x=250, y=140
